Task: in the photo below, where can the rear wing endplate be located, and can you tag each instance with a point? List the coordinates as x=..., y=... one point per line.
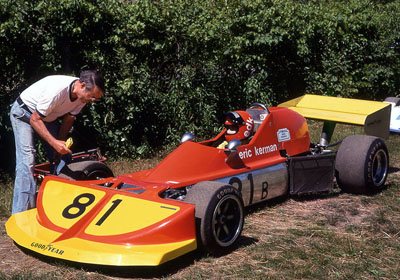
x=373, y=115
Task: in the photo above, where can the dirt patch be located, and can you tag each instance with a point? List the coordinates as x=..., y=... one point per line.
x=12, y=259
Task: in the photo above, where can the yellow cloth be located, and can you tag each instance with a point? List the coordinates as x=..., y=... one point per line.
x=222, y=145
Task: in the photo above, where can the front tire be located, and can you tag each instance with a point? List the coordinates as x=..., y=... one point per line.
x=219, y=215
x=362, y=164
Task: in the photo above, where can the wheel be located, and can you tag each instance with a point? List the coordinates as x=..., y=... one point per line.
x=219, y=215
x=362, y=164
x=86, y=170
x=394, y=100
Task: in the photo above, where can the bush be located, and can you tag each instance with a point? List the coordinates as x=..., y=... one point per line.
x=176, y=66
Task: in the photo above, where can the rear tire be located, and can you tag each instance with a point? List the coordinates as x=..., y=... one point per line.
x=362, y=164
x=219, y=215
x=86, y=170
x=394, y=100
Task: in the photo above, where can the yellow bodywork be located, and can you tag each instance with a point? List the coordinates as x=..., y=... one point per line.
x=22, y=229
x=117, y=223
x=70, y=211
x=373, y=115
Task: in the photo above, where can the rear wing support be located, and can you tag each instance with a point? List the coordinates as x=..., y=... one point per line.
x=374, y=116
x=327, y=132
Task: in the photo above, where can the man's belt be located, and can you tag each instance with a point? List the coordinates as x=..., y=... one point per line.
x=23, y=105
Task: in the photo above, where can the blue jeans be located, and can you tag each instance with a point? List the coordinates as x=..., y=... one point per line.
x=24, y=184
x=24, y=134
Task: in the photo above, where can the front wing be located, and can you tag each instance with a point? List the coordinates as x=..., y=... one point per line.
x=97, y=225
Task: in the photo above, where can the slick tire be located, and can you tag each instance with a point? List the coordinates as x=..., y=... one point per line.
x=86, y=170
x=219, y=215
x=362, y=164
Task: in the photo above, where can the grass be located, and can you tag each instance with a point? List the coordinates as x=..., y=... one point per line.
x=332, y=236
x=6, y=191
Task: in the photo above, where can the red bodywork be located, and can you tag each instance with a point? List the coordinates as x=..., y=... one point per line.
x=139, y=208
x=188, y=164
x=194, y=162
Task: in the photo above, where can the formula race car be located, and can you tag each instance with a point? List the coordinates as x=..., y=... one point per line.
x=196, y=196
x=395, y=115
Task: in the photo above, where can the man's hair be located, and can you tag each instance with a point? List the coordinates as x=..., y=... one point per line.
x=92, y=78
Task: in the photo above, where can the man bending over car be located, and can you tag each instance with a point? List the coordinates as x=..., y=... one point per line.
x=39, y=109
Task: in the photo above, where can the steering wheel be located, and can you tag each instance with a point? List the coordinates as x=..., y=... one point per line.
x=258, y=106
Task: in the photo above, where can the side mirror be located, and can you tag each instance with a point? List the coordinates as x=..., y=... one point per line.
x=187, y=137
x=233, y=145
x=231, y=149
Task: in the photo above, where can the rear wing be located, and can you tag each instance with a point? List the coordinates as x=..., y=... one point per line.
x=373, y=115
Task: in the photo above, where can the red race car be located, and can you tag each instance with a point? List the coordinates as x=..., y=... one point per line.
x=197, y=194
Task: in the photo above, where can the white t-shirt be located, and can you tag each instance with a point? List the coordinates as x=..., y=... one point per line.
x=51, y=97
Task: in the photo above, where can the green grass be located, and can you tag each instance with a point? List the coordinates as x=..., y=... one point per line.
x=334, y=236
x=6, y=191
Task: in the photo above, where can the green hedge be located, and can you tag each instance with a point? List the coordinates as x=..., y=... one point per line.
x=176, y=66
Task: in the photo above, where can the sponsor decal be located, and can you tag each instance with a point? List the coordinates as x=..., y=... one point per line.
x=224, y=192
x=249, y=126
x=263, y=116
x=48, y=248
x=283, y=134
x=169, y=208
x=258, y=151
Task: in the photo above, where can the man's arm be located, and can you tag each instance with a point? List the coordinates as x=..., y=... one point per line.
x=67, y=122
x=38, y=125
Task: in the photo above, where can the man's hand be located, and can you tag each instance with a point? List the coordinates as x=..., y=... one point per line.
x=60, y=148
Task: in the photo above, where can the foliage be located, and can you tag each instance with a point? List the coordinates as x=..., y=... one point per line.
x=176, y=66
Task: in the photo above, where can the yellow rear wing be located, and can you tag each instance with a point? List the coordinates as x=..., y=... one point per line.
x=373, y=115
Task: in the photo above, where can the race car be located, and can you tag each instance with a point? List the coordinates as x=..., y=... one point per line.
x=195, y=197
x=395, y=115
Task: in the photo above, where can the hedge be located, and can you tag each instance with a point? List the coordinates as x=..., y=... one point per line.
x=177, y=66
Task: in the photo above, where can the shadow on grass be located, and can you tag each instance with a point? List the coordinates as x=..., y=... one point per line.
x=299, y=198
x=164, y=270
x=393, y=170
x=266, y=204
x=317, y=196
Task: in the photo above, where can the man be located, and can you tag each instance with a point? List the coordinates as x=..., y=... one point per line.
x=39, y=109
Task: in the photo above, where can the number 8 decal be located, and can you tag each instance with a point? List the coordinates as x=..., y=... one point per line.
x=79, y=205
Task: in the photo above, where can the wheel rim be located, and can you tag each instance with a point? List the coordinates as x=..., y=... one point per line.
x=227, y=220
x=379, y=167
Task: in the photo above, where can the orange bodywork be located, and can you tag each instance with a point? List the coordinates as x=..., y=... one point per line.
x=169, y=232
x=193, y=162
x=128, y=220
